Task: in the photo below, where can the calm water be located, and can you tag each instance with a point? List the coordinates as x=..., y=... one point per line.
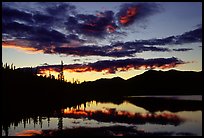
x=126, y=118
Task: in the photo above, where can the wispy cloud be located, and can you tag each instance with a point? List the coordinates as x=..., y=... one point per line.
x=183, y=49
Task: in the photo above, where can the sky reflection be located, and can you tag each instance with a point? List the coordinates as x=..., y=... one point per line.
x=94, y=105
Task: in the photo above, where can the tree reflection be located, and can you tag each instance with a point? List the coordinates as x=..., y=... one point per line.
x=5, y=128
x=48, y=121
x=60, y=123
x=60, y=113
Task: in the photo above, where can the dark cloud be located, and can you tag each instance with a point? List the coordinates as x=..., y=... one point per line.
x=122, y=49
x=187, y=37
x=43, y=19
x=93, y=25
x=47, y=17
x=36, y=23
x=104, y=23
x=15, y=29
x=136, y=12
x=54, y=42
x=149, y=45
x=9, y=14
x=111, y=66
x=136, y=63
x=56, y=28
x=32, y=18
x=183, y=49
x=198, y=26
x=191, y=36
x=32, y=33
x=44, y=35
x=80, y=51
x=51, y=15
x=115, y=50
x=39, y=37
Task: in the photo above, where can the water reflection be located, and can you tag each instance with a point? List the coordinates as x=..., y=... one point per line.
x=110, y=113
x=102, y=131
x=129, y=118
x=29, y=133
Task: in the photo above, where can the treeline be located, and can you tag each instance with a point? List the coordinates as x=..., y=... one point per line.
x=24, y=92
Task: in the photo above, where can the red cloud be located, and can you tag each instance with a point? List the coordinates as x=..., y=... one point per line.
x=129, y=16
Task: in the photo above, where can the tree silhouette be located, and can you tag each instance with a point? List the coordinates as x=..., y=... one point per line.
x=5, y=128
x=61, y=74
x=48, y=121
x=12, y=66
x=24, y=122
x=60, y=122
x=40, y=121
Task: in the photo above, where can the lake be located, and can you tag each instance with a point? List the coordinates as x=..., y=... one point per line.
x=133, y=116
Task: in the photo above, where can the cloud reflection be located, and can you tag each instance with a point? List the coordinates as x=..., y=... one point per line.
x=109, y=131
x=112, y=115
x=29, y=133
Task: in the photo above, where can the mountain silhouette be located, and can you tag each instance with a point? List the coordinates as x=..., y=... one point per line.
x=172, y=82
x=167, y=82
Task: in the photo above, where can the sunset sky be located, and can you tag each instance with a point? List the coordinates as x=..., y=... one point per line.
x=102, y=39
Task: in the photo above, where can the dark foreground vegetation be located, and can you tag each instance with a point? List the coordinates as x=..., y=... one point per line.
x=25, y=94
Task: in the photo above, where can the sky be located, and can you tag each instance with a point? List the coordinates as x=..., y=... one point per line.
x=102, y=39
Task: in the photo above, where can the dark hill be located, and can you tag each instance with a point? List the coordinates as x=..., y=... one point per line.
x=167, y=82
x=172, y=82
x=108, y=81
x=103, y=87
